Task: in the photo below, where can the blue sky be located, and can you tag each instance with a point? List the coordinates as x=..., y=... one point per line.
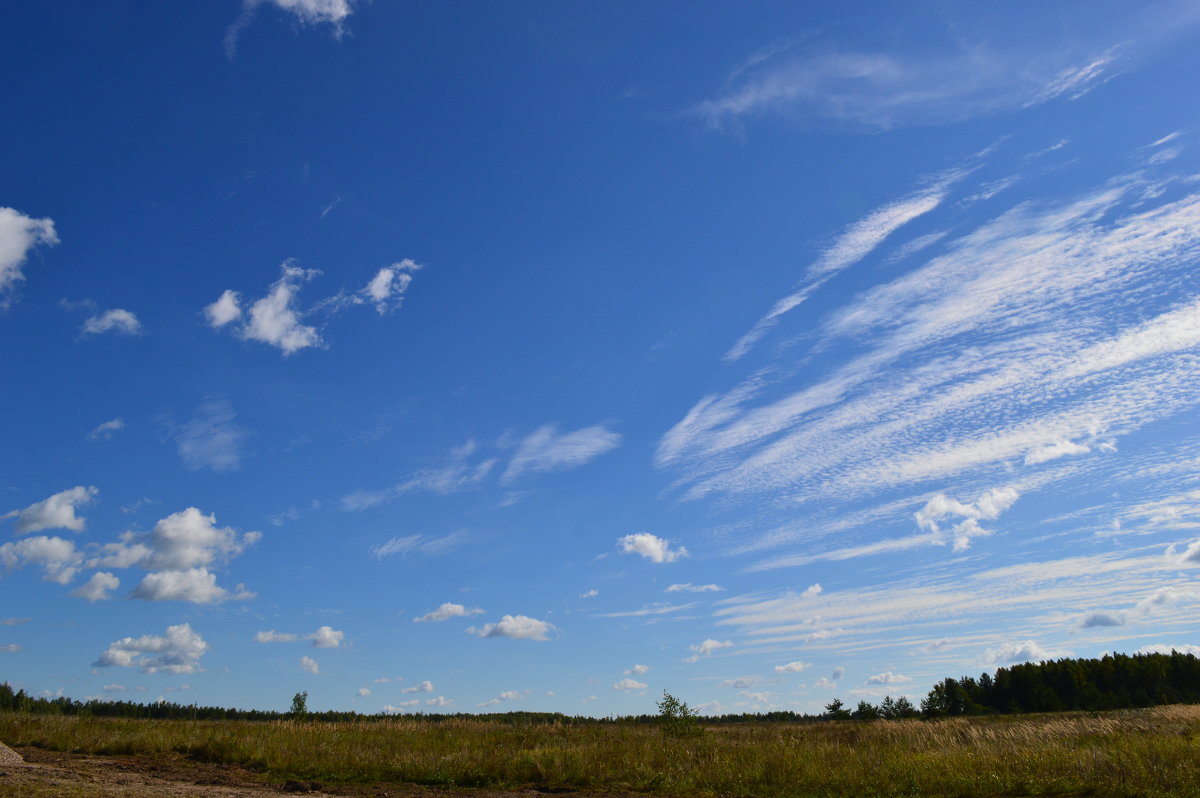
x=542, y=356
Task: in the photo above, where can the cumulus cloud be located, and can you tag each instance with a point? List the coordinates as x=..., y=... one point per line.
x=178, y=651
x=116, y=320
x=97, y=588
x=324, y=637
x=590, y=593
x=307, y=12
x=211, y=439
x=1011, y=653
x=546, y=450
x=651, y=547
x=507, y=695
x=272, y=636
x=363, y=692
x=195, y=585
x=629, y=686
x=278, y=320
x=58, y=558
x=309, y=665
x=440, y=701
x=1166, y=596
x=793, y=667
x=990, y=504
x=707, y=647
x=18, y=235
x=690, y=588
x=1097, y=619
x=1158, y=648
x=424, y=687
x=637, y=670
x=887, y=677
x=447, y=611
x=106, y=430
x=400, y=706
x=56, y=512
x=517, y=627
x=1190, y=554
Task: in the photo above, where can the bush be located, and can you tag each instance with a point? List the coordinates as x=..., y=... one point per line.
x=676, y=718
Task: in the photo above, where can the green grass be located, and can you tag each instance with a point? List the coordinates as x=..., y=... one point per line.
x=1126, y=753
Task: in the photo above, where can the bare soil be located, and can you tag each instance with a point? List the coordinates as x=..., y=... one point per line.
x=67, y=775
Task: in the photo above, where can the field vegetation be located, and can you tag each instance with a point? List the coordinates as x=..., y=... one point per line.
x=1144, y=752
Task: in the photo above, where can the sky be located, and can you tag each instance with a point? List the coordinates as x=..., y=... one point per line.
x=473, y=357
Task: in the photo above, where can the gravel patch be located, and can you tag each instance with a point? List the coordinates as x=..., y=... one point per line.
x=9, y=756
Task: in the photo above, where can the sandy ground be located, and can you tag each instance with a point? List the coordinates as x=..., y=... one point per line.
x=64, y=775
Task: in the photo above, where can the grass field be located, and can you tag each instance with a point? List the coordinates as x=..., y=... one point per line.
x=1136, y=752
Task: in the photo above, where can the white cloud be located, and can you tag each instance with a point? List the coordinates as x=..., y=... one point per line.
x=793, y=667
x=424, y=687
x=1167, y=596
x=195, y=585
x=308, y=12
x=211, y=439
x=590, y=699
x=309, y=665
x=741, y=682
x=105, y=431
x=275, y=637
x=988, y=506
x=275, y=319
x=182, y=540
x=387, y=287
x=177, y=652
x=456, y=474
x=706, y=648
x=10, y=648
x=440, y=701
x=629, y=686
x=546, y=450
x=447, y=611
x=1190, y=555
x=1158, y=648
x=590, y=594
x=56, y=512
x=507, y=695
x=1012, y=653
x=880, y=91
x=116, y=320
x=14, y=621
x=226, y=309
x=517, y=627
x=363, y=692
x=651, y=547
x=653, y=609
x=887, y=677
x=58, y=558
x=96, y=588
x=327, y=637
x=690, y=588
x=1053, y=451
x=638, y=670
x=418, y=544
x=400, y=706
x=18, y=235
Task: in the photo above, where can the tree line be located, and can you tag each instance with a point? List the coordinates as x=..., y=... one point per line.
x=1114, y=681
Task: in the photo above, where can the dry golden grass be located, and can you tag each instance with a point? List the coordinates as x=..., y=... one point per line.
x=1140, y=752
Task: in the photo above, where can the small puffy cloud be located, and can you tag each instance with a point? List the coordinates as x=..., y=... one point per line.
x=887, y=677
x=706, y=648
x=812, y=590
x=440, y=701
x=828, y=684
x=18, y=235
x=10, y=648
x=651, y=547
x=1052, y=451
x=56, y=512
x=309, y=665
x=105, y=431
x=182, y=540
x=195, y=585
x=637, y=670
x=762, y=697
x=275, y=637
x=517, y=627
x=447, y=611
x=211, y=439
x=629, y=686
x=741, y=682
x=14, y=621
x=400, y=706
x=793, y=667
x=547, y=450
x=507, y=695
x=1097, y=619
x=363, y=692
x=386, y=289
x=226, y=309
x=590, y=699
x=117, y=320
x=97, y=588
x=178, y=651
x=1012, y=653
x=688, y=587
x=58, y=558
x=424, y=687
x=1167, y=596
x=990, y=504
x=327, y=637
x=590, y=594
x=1158, y=648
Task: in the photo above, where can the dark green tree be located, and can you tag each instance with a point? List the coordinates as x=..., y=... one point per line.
x=299, y=709
x=676, y=718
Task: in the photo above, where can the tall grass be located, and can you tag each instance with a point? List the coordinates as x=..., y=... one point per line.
x=1140, y=752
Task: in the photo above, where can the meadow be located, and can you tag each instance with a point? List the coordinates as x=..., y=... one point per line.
x=1143, y=752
